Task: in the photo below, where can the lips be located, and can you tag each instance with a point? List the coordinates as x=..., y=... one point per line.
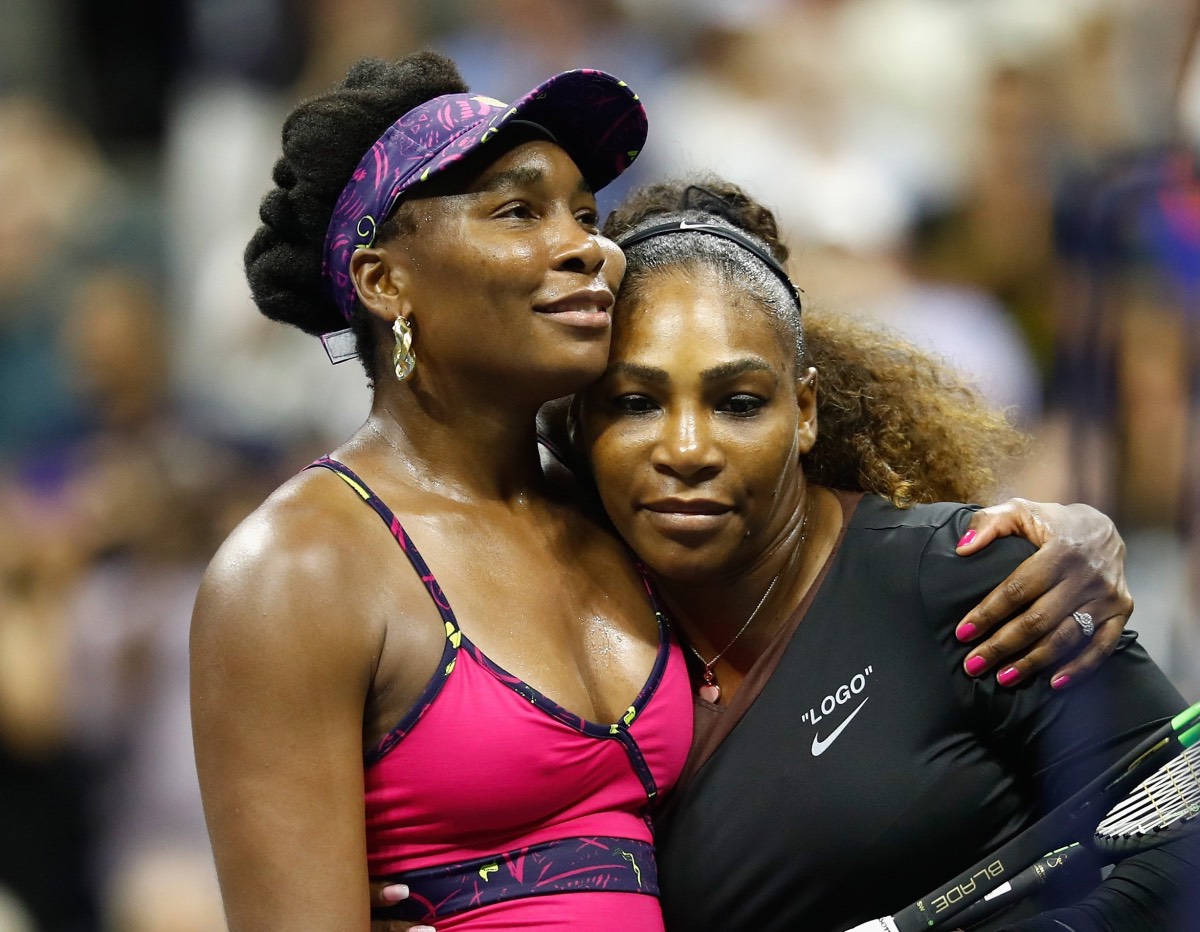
x=685, y=517
x=687, y=506
x=587, y=307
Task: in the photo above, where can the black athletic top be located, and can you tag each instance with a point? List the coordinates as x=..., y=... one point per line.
x=857, y=748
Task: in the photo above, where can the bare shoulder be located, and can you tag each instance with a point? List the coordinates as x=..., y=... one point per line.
x=284, y=575
x=282, y=659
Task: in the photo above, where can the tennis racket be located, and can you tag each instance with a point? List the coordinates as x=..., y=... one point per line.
x=1148, y=798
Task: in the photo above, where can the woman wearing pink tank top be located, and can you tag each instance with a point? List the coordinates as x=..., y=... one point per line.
x=495, y=735
x=450, y=241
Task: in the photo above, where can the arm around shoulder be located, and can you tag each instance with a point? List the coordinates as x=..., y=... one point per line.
x=1079, y=567
x=279, y=680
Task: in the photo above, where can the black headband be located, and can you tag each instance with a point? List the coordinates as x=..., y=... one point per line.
x=715, y=229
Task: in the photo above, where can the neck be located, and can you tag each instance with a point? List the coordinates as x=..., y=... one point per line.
x=464, y=452
x=712, y=611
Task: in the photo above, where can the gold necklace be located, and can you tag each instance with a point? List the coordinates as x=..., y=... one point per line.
x=709, y=690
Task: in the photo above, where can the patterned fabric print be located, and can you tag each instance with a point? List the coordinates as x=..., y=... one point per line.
x=597, y=118
x=572, y=865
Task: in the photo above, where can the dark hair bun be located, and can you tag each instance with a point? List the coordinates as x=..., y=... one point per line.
x=323, y=140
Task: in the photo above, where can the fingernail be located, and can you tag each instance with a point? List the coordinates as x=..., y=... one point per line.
x=422, y=929
x=965, y=631
x=976, y=665
x=1060, y=681
x=395, y=892
x=966, y=538
x=1007, y=675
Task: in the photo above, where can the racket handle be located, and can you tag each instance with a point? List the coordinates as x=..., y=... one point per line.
x=1025, y=884
x=882, y=924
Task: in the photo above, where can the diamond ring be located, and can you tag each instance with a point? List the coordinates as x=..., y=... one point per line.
x=1086, y=625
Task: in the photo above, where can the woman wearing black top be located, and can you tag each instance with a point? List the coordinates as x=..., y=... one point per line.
x=791, y=489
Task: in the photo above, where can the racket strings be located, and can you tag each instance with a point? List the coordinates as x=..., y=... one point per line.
x=1169, y=797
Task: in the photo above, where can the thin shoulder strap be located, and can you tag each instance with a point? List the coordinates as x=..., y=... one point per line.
x=347, y=475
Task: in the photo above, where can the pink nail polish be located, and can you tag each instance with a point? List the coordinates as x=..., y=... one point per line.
x=1060, y=681
x=966, y=538
x=976, y=665
x=965, y=631
x=1007, y=675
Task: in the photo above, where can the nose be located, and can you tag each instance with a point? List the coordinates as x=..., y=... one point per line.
x=579, y=250
x=685, y=448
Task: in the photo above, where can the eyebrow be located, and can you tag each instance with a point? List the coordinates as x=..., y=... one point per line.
x=721, y=373
x=522, y=177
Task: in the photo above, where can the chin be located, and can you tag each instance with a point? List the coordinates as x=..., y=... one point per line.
x=581, y=368
x=676, y=563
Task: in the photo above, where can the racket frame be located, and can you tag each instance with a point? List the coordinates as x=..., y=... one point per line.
x=1073, y=820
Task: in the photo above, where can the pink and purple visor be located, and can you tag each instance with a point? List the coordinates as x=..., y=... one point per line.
x=595, y=117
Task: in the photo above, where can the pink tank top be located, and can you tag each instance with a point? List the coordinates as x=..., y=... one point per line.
x=502, y=810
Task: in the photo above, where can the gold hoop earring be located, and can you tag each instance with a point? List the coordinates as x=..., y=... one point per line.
x=404, y=359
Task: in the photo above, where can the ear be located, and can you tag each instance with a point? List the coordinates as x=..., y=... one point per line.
x=806, y=403
x=380, y=280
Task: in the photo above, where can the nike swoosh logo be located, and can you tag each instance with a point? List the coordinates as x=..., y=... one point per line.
x=819, y=747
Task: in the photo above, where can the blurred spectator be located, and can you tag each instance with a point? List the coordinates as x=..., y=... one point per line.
x=65, y=209
x=54, y=188
x=1128, y=378
x=1127, y=361
x=45, y=834
x=997, y=236
x=127, y=515
x=146, y=497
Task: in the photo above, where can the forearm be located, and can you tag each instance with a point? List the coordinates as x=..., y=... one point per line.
x=1158, y=891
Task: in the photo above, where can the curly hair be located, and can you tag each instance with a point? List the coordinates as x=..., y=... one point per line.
x=893, y=419
x=323, y=140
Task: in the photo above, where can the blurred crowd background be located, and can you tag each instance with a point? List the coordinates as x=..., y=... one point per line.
x=1010, y=182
